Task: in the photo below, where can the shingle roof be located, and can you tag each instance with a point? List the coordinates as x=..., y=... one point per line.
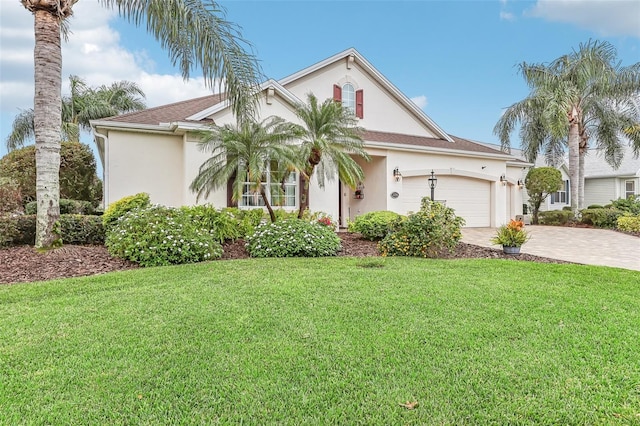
x=178, y=111
x=596, y=166
x=401, y=139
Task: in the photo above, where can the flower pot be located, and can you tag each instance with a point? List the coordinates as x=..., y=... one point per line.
x=510, y=250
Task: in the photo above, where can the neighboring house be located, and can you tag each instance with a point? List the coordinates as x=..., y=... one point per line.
x=603, y=184
x=156, y=150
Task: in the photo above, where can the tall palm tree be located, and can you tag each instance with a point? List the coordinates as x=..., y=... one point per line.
x=247, y=152
x=83, y=104
x=329, y=135
x=576, y=97
x=194, y=32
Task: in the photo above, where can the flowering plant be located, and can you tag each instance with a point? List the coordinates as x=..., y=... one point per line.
x=511, y=235
x=326, y=221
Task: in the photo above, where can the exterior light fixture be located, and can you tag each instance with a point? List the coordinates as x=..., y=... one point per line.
x=520, y=184
x=397, y=174
x=433, y=182
x=503, y=180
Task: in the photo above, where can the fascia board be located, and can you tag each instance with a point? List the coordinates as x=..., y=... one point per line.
x=453, y=152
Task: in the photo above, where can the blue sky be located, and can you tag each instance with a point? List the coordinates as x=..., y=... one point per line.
x=456, y=59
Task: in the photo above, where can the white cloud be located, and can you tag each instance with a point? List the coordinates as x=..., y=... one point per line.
x=507, y=16
x=420, y=101
x=607, y=18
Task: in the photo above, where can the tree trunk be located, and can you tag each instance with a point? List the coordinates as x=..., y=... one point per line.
x=272, y=215
x=47, y=119
x=304, y=190
x=574, y=147
x=582, y=155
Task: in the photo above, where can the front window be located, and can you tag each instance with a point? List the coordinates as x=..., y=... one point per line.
x=562, y=196
x=281, y=187
x=349, y=97
x=629, y=188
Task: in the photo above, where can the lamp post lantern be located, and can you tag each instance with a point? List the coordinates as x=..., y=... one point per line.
x=433, y=181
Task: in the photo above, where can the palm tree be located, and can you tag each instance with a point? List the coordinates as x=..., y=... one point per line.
x=247, y=153
x=574, y=98
x=329, y=135
x=82, y=105
x=195, y=34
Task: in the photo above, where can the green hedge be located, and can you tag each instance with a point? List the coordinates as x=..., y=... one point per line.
x=555, y=217
x=74, y=228
x=374, y=225
x=66, y=207
x=629, y=223
x=118, y=208
x=601, y=218
x=293, y=238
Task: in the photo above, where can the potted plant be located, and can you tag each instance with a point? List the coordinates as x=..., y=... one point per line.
x=511, y=237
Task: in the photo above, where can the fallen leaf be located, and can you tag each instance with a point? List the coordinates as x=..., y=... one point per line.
x=139, y=396
x=409, y=405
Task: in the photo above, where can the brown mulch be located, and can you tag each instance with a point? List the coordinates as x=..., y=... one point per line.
x=24, y=264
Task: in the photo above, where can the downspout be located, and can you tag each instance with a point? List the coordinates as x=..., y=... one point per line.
x=104, y=157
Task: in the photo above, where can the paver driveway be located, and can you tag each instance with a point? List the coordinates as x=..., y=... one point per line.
x=579, y=245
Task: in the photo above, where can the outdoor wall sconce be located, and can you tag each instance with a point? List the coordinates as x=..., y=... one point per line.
x=503, y=180
x=520, y=184
x=359, y=194
x=397, y=175
x=433, y=182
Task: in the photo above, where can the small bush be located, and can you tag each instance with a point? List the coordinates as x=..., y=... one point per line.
x=374, y=225
x=10, y=197
x=225, y=224
x=66, y=207
x=601, y=218
x=429, y=232
x=122, y=206
x=26, y=230
x=81, y=229
x=629, y=223
x=8, y=230
x=556, y=217
x=631, y=204
x=293, y=238
x=156, y=235
x=595, y=206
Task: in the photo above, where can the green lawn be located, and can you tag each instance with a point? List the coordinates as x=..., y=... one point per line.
x=325, y=341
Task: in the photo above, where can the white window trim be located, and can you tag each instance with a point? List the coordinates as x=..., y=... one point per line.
x=634, y=190
x=267, y=184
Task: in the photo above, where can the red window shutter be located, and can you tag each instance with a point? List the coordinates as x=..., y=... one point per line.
x=360, y=103
x=337, y=93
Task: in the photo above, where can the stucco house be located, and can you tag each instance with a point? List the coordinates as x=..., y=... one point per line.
x=156, y=150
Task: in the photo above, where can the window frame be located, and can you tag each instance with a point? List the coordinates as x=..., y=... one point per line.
x=633, y=191
x=253, y=199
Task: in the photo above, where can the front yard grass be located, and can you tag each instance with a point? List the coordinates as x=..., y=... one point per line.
x=325, y=341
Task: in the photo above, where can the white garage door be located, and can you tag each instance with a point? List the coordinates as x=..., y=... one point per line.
x=470, y=198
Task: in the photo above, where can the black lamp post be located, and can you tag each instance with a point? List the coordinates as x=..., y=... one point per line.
x=433, y=181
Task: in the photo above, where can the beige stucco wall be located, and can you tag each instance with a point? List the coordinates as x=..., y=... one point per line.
x=382, y=112
x=144, y=162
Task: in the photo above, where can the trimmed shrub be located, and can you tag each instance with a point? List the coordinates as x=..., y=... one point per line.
x=293, y=238
x=595, y=206
x=555, y=217
x=78, y=178
x=157, y=235
x=10, y=197
x=430, y=232
x=374, y=225
x=122, y=206
x=227, y=223
x=81, y=229
x=629, y=223
x=631, y=204
x=8, y=230
x=66, y=207
x=601, y=218
x=26, y=230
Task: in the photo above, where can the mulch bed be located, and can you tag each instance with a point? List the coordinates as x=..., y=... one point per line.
x=24, y=264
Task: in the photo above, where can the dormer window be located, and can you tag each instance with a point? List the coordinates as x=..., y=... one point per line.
x=350, y=98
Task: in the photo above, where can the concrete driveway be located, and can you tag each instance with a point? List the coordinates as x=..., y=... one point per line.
x=580, y=245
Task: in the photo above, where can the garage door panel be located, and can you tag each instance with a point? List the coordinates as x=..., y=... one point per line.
x=470, y=198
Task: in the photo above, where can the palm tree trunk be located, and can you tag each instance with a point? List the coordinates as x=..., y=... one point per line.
x=583, y=153
x=47, y=118
x=305, y=179
x=574, y=147
x=272, y=215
